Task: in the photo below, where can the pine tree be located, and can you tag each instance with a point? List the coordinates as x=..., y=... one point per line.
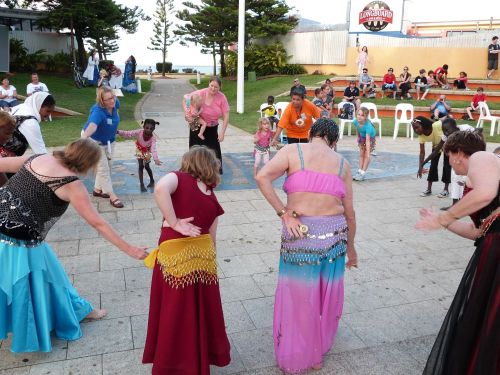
x=162, y=38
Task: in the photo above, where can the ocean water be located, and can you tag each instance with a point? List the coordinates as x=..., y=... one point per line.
x=206, y=69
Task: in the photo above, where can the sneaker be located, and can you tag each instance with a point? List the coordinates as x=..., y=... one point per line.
x=426, y=193
x=443, y=194
x=373, y=153
x=359, y=177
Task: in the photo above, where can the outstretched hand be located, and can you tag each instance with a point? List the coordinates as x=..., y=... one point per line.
x=138, y=253
x=429, y=220
x=184, y=227
x=352, y=259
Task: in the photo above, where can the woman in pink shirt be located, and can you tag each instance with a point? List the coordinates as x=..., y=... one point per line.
x=214, y=106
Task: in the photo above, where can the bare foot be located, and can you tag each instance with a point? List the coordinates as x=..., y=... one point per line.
x=201, y=136
x=319, y=366
x=97, y=314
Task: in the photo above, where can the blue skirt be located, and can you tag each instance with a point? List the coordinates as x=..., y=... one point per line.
x=36, y=297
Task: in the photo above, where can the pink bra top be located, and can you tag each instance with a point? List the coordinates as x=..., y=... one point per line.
x=307, y=181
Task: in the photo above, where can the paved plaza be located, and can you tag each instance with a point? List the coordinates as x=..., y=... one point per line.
x=394, y=302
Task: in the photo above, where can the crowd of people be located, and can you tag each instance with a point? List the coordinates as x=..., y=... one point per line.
x=186, y=331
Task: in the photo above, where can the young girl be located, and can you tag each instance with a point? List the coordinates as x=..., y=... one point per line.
x=262, y=140
x=366, y=141
x=362, y=59
x=431, y=82
x=461, y=82
x=186, y=332
x=103, y=79
x=145, y=149
x=193, y=116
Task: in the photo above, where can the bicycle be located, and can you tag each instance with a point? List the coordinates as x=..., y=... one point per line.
x=77, y=77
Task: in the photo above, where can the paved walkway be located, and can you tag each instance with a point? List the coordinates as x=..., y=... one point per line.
x=394, y=303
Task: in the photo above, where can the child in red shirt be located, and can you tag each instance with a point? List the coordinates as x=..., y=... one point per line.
x=474, y=104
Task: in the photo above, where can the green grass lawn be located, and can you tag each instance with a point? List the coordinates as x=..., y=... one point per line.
x=256, y=93
x=62, y=130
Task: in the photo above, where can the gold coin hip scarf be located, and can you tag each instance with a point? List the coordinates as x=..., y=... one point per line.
x=186, y=261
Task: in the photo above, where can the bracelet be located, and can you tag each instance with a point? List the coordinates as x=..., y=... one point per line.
x=282, y=212
x=443, y=225
x=453, y=216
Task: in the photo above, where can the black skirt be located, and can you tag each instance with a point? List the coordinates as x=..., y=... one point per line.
x=467, y=342
x=211, y=141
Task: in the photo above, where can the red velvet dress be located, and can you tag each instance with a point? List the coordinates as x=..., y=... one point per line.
x=186, y=332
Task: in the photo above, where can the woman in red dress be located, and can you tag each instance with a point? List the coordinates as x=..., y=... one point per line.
x=186, y=332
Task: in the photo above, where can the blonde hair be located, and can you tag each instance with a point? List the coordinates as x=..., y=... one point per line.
x=201, y=163
x=195, y=101
x=261, y=121
x=79, y=156
x=100, y=94
x=103, y=71
x=7, y=121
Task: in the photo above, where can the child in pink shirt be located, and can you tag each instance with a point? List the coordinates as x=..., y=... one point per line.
x=262, y=140
x=145, y=148
x=193, y=116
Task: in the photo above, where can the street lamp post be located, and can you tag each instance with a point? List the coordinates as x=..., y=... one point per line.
x=240, y=93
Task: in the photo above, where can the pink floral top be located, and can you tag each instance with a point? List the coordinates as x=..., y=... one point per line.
x=138, y=135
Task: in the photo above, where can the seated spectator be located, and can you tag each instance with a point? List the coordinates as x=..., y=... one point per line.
x=441, y=74
x=351, y=95
x=474, y=104
x=461, y=82
x=115, y=76
x=366, y=84
x=35, y=85
x=271, y=112
x=103, y=79
x=421, y=84
x=431, y=82
x=405, y=85
x=389, y=83
x=297, y=85
x=331, y=93
x=440, y=108
x=8, y=95
x=323, y=101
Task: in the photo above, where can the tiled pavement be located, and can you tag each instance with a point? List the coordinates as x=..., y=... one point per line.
x=394, y=304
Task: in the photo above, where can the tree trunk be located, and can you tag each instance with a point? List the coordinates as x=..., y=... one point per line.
x=222, y=62
x=81, y=49
x=214, y=56
x=163, y=65
x=99, y=48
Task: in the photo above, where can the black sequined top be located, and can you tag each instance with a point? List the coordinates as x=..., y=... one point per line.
x=28, y=205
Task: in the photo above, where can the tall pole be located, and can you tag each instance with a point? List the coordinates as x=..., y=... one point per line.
x=240, y=87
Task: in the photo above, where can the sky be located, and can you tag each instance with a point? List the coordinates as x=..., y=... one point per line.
x=323, y=11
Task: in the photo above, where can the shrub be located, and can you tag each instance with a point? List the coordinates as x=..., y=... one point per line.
x=103, y=64
x=175, y=71
x=168, y=67
x=59, y=62
x=293, y=69
x=187, y=70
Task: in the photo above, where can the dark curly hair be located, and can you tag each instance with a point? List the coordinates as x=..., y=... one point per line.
x=325, y=128
x=467, y=142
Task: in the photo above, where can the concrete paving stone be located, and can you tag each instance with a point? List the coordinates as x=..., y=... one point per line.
x=73, y=232
x=149, y=240
x=447, y=280
x=117, y=261
x=239, y=288
x=371, y=270
x=9, y=360
x=266, y=282
x=103, y=336
x=449, y=259
x=95, y=246
x=268, y=216
x=99, y=282
x=152, y=226
x=237, y=206
x=226, y=232
x=271, y=260
x=125, y=363
x=224, y=249
x=264, y=371
x=255, y=347
x=411, y=264
x=260, y=311
x=135, y=215
x=137, y=278
x=126, y=302
x=369, y=250
x=418, y=348
x=236, y=317
x=104, y=205
x=383, y=359
x=16, y=371
x=374, y=295
x=260, y=230
x=372, y=326
x=415, y=289
x=140, y=204
x=256, y=245
x=80, y=366
x=445, y=301
x=243, y=195
x=401, y=245
x=80, y=263
x=424, y=318
x=127, y=227
x=94, y=299
x=139, y=329
x=65, y=248
x=242, y=265
x=260, y=204
x=233, y=218
x=345, y=339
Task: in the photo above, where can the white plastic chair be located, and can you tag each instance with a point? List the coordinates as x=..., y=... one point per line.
x=280, y=108
x=261, y=109
x=373, y=116
x=404, y=109
x=343, y=121
x=485, y=115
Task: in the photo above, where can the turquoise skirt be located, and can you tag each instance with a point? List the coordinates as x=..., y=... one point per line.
x=36, y=297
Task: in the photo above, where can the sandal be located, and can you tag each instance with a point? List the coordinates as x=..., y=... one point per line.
x=99, y=194
x=117, y=203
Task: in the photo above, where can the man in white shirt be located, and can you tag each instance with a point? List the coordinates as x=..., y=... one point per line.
x=35, y=85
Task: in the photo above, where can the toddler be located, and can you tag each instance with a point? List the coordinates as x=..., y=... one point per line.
x=262, y=140
x=366, y=141
x=145, y=149
x=193, y=116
